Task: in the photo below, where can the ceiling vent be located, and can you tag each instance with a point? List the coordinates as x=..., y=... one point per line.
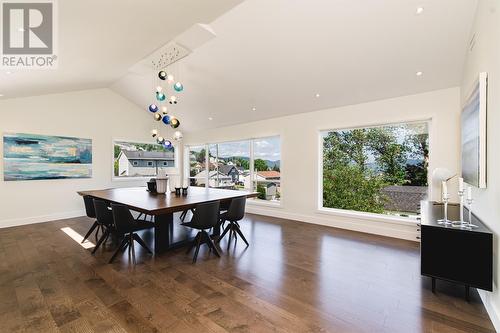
x=174, y=51
x=167, y=55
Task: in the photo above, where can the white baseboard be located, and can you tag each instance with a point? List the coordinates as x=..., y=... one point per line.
x=490, y=308
x=377, y=227
x=40, y=219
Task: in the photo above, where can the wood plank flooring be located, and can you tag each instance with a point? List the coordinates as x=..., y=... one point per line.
x=294, y=277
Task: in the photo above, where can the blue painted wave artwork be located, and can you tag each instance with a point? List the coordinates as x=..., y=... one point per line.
x=33, y=157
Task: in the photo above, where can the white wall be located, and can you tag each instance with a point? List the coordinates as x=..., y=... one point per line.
x=485, y=57
x=100, y=115
x=300, y=150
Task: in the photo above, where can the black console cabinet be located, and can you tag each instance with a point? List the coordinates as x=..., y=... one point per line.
x=464, y=256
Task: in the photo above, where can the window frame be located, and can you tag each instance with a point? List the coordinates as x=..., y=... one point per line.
x=171, y=171
x=367, y=215
x=251, y=161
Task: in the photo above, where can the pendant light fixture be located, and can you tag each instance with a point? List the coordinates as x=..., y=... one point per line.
x=166, y=87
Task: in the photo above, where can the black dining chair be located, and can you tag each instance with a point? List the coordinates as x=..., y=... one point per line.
x=126, y=225
x=90, y=212
x=105, y=219
x=184, y=213
x=235, y=213
x=206, y=216
x=224, y=206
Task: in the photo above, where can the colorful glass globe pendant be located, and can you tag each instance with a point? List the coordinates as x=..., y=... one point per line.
x=167, y=144
x=166, y=119
x=153, y=108
x=160, y=140
x=177, y=136
x=178, y=87
x=160, y=96
x=154, y=133
x=164, y=110
x=157, y=116
x=162, y=75
x=173, y=99
x=174, y=122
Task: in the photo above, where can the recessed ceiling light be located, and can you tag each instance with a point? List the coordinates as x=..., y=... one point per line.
x=8, y=73
x=419, y=73
x=420, y=10
x=1, y=95
x=254, y=109
x=210, y=118
x=317, y=95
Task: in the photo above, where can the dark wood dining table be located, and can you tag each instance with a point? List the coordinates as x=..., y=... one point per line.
x=168, y=235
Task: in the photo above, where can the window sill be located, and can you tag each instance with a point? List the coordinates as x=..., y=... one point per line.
x=368, y=216
x=130, y=179
x=144, y=178
x=258, y=202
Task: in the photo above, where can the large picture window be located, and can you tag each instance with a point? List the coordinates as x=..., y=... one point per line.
x=229, y=165
x=252, y=165
x=379, y=169
x=197, y=156
x=267, y=168
x=134, y=159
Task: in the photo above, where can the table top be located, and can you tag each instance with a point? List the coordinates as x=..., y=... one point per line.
x=432, y=211
x=141, y=200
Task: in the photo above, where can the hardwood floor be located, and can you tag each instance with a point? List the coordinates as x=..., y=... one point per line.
x=294, y=277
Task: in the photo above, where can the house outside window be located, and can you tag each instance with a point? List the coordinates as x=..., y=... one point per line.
x=252, y=165
x=132, y=159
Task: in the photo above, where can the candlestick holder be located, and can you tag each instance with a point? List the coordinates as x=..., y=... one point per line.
x=445, y=220
x=461, y=222
x=469, y=208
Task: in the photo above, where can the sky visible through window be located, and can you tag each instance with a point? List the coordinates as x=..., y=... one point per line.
x=266, y=149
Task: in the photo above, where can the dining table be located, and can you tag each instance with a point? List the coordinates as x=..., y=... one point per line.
x=167, y=234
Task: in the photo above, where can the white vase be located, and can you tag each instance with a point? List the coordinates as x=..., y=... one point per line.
x=161, y=185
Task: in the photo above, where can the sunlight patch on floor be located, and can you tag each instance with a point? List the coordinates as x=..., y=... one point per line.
x=77, y=238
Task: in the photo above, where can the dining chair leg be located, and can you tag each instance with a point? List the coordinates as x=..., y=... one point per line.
x=183, y=215
x=95, y=225
x=122, y=244
x=107, y=236
x=132, y=246
x=230, y=235
x=211, y=245
x=238, y=230
x=223, y=233
x=142, y=243
x=198, y=244
x=100, y=241
x=193, y=243
x=235, y=235
x=97, y=232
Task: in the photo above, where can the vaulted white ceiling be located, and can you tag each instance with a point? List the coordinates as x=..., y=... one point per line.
x=99, y=41
x=277, y=55
x=271, y=55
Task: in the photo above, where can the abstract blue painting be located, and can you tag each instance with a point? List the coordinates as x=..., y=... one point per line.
x=33, y=157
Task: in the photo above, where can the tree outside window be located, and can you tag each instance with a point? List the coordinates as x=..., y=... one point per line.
x=377, y=169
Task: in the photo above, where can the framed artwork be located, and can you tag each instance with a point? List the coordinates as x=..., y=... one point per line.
x=474, y=134
x=34, y=157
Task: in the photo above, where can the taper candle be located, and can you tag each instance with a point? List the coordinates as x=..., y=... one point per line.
x=445, y=190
